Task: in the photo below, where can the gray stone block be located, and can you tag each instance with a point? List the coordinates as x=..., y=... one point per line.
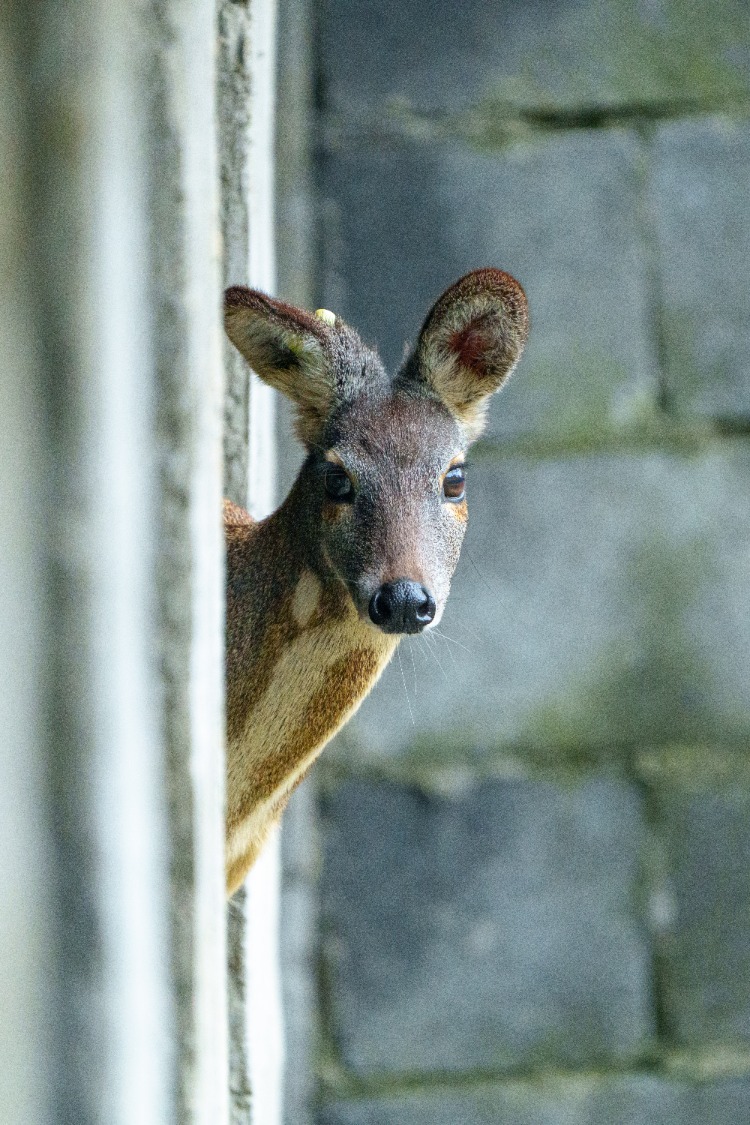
x=699, y=194
x=559, y=214
x=707, y=949
x=487, y=930
x=530, y=54
x=636, y=1100
x=601, y=601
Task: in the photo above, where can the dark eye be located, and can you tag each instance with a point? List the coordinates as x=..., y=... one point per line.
x=338, y=485
x=454, y=484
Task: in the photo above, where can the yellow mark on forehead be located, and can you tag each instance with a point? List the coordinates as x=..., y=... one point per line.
x=306, y=598
x=333, y=458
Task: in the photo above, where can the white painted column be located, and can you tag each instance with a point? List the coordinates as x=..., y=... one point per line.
x=84, y=833
x=113, y=991
x=117, y=537
x=185, y=302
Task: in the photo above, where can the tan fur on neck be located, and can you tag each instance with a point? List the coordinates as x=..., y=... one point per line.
x=319, y=665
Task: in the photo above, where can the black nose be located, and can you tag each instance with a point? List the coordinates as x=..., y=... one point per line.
x=402, y=607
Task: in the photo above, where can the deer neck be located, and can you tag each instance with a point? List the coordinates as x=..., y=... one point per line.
x=299, y=658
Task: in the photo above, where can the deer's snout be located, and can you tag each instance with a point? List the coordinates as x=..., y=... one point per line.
x=402, y=607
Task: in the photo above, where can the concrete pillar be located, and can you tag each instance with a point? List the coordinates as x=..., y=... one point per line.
x=111, y=773
x=246, y=115
x=185, y=309
x=25, y=829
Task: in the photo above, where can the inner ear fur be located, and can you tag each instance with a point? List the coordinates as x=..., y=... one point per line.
x=288, y=348
x=470, y=343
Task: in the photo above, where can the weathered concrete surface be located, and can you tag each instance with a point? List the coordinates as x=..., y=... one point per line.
x=698, y=191
x=634, y=1100
x=474, y=931
x=123, y=393
x=246, y=112
x=532, y=56
x=703, y=803
x=27, y=948
x=560, y=214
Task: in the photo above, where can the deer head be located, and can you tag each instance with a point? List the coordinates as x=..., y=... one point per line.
x=384, y=474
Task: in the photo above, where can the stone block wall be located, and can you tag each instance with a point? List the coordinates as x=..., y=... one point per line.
x=534, y=842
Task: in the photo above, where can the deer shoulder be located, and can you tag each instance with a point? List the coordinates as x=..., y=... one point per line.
x=364, y=547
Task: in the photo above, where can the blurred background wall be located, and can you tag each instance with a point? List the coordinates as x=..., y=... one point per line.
x=529, y=900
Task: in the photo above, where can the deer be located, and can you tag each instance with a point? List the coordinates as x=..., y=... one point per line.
x=363, y=549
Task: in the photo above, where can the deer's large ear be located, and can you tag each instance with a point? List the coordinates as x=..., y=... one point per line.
x=288, y=348
x=472, y=339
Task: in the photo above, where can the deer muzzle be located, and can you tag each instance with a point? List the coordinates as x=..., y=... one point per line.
x=402, y=607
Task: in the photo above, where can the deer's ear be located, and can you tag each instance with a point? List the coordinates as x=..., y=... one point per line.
x=472, y=339
x=288, y=348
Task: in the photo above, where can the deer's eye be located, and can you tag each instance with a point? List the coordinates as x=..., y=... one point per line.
x=454, y=484
x=338, y=485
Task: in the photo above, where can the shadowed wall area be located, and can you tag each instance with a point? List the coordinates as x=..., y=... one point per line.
x=530, y=899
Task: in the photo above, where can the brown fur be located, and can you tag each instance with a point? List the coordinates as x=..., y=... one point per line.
x=290, y=686
x=302, y=650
